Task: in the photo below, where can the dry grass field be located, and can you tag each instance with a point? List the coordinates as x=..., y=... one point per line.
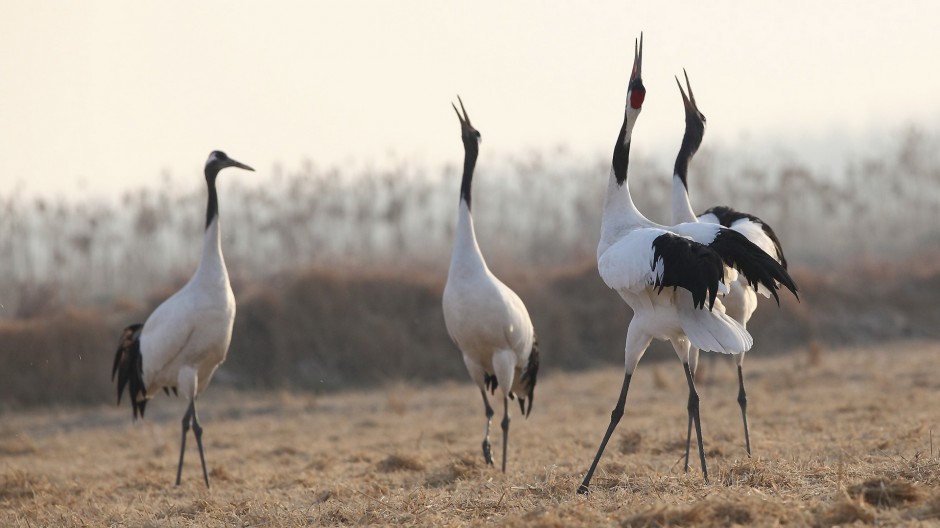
x=840, y=437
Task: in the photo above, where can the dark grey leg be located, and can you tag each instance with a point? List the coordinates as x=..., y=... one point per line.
x=688, y=436
x=487, y=452
x=505, y=424
x=197, y=430
x=694, y=413
x=187, y=417
x=742, y=400
x=615, y=417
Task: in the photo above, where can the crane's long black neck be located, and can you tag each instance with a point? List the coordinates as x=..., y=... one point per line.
x=471, y=150
x=621, y=155
x=212, y=209
x=691, y=140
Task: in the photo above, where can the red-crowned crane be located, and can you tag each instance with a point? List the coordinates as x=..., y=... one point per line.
x=741, y=299
x=485, y=319
x=187, y=337
x=671, y=275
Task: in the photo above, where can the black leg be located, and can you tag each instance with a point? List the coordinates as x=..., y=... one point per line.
x=615, y=417
x=197, y=430
x=505, y=424
x=693, y=359
x=187, y=417
x=688, y=436
x=487, y=452
x=742, y=400
x=694, y=413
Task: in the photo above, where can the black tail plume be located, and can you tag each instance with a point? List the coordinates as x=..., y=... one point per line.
x=128, y=367
x=727, y=217
x=529, y=377
x=754, y=263
x=490, y=382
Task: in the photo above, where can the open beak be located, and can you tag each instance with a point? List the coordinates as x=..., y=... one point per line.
x=464, y=119
x=637, y=60
x=691, y=108
x=688, y=100
x=637, y=91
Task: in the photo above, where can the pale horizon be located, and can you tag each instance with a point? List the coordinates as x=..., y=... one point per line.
x=106, y=96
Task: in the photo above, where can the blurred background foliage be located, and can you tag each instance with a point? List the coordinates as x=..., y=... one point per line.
x=338, y=275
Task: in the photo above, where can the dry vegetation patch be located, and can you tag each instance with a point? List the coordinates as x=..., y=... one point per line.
x=366, y=458
x=400, y=462
x=884, y=493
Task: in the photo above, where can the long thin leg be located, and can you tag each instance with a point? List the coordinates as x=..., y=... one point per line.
x=688, y=435
x=615, y=417
x=487, y=452
x=742, y=400
x=694, y=413
x=187, y=417
x=505, y=424
x=692, y=358
x=197, y=430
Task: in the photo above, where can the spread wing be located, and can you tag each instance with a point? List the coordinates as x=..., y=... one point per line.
x=755, y=229
x=660, y=258
x=759, y=268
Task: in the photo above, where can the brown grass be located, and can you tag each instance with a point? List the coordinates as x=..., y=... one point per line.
x=327, y=330
x=838, y=442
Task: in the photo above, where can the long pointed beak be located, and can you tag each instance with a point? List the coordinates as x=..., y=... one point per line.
x=637, y=59
x=240, y=165
x=685, y=98
x=465, y=116
x=465, y=125
x=689, y=86
x=691, y=108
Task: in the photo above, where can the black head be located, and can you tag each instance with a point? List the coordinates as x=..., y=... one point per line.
x=694, y=131
x=219, y=160
x=471, y=137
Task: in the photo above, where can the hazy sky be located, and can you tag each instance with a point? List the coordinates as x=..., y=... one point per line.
x=101, y=96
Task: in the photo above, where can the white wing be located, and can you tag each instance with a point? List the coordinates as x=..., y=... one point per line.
x=519, y=331
x=628, y=263
x=165, y=335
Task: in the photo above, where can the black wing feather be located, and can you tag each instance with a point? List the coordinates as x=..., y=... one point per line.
x=529, y=377
x=128, y=366
x=727, y=217
x=754, y=263
x=690, y=265
x=490, y=382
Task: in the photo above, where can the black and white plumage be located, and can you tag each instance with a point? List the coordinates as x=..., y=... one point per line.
x=486, y=320
x=741, y=300
x=671, y=275
x=187, y=337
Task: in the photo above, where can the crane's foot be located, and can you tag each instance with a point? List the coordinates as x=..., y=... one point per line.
x=487, y=453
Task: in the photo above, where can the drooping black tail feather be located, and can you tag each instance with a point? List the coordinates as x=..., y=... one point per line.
x=727, y=217
x=750, y=260
x=687, y=264
x=529, y=377
x=490, y=382
x=128, y=366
